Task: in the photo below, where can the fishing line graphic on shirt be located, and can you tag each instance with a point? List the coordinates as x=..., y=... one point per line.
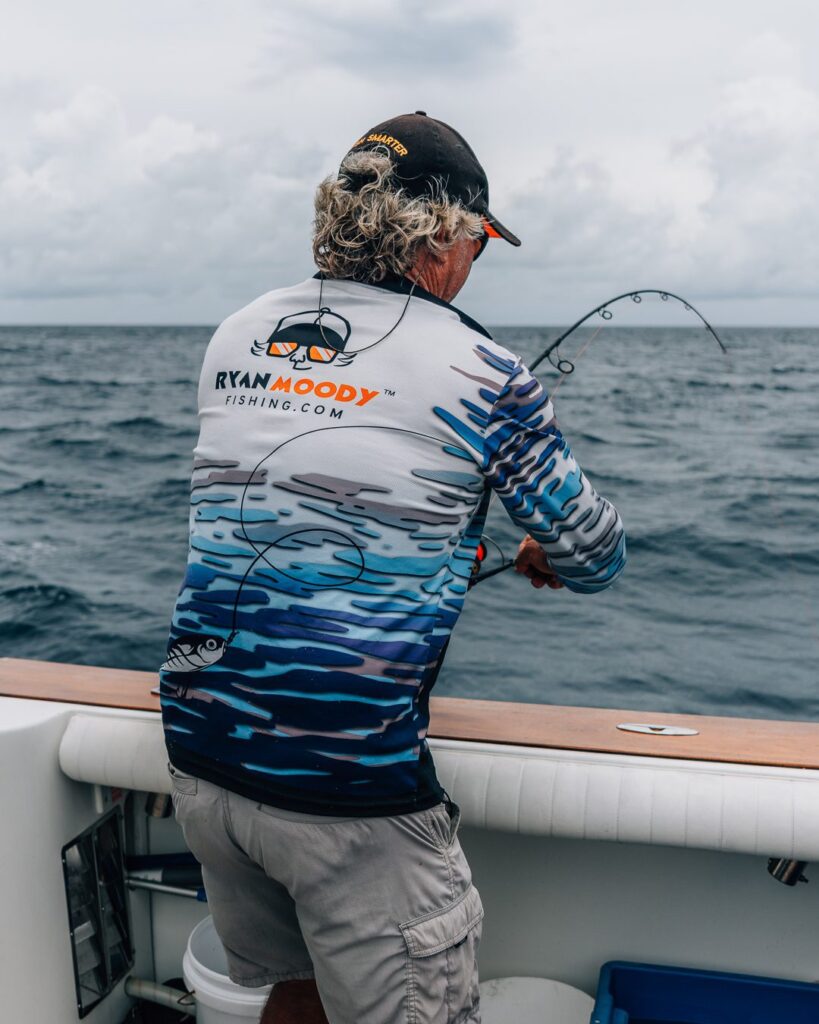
x=355, y=501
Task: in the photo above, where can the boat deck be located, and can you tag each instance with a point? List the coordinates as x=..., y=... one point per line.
x=732, y=740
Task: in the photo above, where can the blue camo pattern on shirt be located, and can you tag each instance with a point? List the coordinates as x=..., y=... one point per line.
x=322, y=588
x=528, y=464
x=335, y=637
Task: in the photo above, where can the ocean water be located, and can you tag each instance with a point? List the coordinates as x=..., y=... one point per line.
x=712, y=463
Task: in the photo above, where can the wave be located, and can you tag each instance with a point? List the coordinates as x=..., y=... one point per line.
x=685, y=549
x=53, y=622
x=29, y=485
x=141, y=423
x=42, y=595
x=40, y=607
x=139, y=428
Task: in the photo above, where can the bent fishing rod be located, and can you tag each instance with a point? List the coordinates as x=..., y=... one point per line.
x=566, y=366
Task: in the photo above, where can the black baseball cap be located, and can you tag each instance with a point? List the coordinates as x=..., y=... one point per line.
x=428, y=157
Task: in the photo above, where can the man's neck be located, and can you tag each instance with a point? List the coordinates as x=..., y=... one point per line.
x=444, y=274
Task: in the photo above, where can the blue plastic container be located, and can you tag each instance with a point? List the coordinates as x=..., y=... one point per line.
x=649, y=994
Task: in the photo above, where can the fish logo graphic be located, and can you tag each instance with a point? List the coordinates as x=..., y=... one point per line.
x=320, y=339
x=192, y=653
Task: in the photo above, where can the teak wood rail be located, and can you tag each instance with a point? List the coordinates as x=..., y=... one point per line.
x=735, y=740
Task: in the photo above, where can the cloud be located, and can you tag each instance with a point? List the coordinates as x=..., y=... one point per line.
x=92, y=207
x=742, y=222
x=428, y=38
x=759, y=228
x=620, y=159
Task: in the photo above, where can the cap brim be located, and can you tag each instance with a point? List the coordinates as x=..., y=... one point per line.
x=495, y=229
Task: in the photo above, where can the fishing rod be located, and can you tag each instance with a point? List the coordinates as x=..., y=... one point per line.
x=566, y=366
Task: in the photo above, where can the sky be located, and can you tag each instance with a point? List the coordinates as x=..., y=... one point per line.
x=159, y=160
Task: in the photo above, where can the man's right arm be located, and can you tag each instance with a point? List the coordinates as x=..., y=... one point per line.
x=529, y=465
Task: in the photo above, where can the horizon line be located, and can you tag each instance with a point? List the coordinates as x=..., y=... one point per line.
x=496, y=327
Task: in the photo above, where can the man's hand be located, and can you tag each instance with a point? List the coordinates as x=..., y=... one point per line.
x=531, y=561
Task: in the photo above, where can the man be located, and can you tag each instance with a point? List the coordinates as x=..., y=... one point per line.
x=353, y=429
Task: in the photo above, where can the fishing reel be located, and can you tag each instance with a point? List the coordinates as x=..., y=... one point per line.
x=480, y=557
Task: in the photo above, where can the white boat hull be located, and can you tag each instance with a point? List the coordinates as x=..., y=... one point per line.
x=558, y=904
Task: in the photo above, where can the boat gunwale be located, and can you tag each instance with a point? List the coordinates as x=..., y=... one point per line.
x=752, y=741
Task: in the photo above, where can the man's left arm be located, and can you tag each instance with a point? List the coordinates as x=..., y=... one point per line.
x=575, y=536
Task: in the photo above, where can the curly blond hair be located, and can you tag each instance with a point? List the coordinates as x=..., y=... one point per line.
x=366, y=226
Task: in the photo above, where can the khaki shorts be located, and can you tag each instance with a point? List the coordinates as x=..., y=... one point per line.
x=381, y=911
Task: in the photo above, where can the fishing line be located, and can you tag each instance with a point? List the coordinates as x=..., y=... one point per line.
x=193, y=652
x=565, y=373
x=261, y=555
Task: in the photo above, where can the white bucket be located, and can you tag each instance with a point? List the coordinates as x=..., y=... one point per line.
x=503, y=1001
x=533, y=1001
x=218, y=999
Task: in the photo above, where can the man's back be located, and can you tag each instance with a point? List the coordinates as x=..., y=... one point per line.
x=349, y=437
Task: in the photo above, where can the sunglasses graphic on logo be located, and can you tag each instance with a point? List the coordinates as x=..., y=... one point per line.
x=321, y=339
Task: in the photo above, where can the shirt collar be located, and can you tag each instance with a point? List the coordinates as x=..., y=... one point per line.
x=400, y=285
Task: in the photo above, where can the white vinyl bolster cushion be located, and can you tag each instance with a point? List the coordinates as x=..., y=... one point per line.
x=538, y=791
x=127, y=752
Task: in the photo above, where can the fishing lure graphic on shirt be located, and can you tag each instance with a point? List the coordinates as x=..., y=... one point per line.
x=191, y=653
x=307, y=342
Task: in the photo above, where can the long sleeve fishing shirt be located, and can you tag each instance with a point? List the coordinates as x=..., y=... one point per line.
x=351, y=436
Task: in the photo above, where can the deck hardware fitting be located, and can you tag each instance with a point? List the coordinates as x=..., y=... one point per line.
x=657, y=730
x=787, y=871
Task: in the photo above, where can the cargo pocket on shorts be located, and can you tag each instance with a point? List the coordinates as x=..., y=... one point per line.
x=442, y=971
